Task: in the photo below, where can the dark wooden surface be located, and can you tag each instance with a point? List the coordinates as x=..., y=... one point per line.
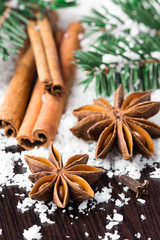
x=94, y=222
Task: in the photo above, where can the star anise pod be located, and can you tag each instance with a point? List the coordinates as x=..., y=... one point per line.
x=58, y=183
x=125, y=123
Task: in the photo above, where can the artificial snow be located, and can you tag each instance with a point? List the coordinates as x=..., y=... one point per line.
x=32, y=233
x=142, y=201
x=143, y=217
x=69, y=145
x=138, y=235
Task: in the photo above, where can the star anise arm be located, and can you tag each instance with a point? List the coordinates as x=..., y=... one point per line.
x=125, y=141
x=106, y=141
x=76, y=160
x=61, y=192
x=38, y=164
x=36, y=176
x=143, y=110
x=95, y=130
x=88, y=110
x=102, y=102
x=118, y=99
x=135, y=98
x=43, y=188
x=79, y=188
x=80, y=130
x=142, y=140
x=152, y=128
x=55, y=157
x=89, y=173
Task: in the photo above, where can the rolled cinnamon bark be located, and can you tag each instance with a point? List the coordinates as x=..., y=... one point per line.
x=44, y=129
x=46, y=56
x=49, y=45
x=16, y=99
x=58, y=37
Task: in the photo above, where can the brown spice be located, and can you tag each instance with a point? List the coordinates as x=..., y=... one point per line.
x=134, y=185
x=42, y=118
x=16, y=99
x=125, y=123
x=55, y=181
x=46, y=56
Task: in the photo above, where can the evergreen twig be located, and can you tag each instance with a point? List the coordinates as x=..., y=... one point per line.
x=13, y=20
x=114, y=59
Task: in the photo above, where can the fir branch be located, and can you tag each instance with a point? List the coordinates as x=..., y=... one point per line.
x=110, y=64
x=123, y=59
x=14, y=18
x=143, y=11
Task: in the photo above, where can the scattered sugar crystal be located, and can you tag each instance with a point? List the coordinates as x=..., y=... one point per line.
x=104, y=195
x=43, y=97
x=0, y=231
x=138, y=235
x=118, y=203
x=86, y=234
x=110, y=174
x=82, y=206
x=118, y=217
x=66, y=35
x=156, y=173
x=143, y=217
x=99, y=237
x=70, y=208
x=32, y=233
x=71, y=216
x=141, y=200
x=110, y=225
x=114, y=236
x=125, y=188
x=37, y=27
x=71, y=145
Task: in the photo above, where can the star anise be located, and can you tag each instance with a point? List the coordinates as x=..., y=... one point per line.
x=125, y=123
x=58, y=183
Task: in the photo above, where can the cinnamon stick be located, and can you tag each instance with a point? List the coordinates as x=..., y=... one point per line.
x=46, y=56
x=58, y=37
x=44, y=129
x=51, y=56
x=15, y=102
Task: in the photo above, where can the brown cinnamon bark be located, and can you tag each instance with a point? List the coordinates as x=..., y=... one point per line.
x=22, y=51
x=46, y=56
x=58, y=37
x=46, y=125
x=16, y=99
x=49, y=45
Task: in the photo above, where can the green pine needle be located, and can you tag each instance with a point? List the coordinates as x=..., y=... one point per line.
x=141, y=71
x=12, y=29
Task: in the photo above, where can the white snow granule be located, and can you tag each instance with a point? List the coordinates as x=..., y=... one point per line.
x=86, y=234
x=118, y=217
x=141, y=200
x=104, y=195
x=32, y=233
x=143, y=217
x=155, y=174
x=114, y=236
x=138, y=235
x=113, y=164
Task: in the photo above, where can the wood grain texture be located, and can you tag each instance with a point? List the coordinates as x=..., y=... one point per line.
x=94, y=221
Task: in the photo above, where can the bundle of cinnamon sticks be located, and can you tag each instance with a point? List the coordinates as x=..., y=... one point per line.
x=32, y=107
